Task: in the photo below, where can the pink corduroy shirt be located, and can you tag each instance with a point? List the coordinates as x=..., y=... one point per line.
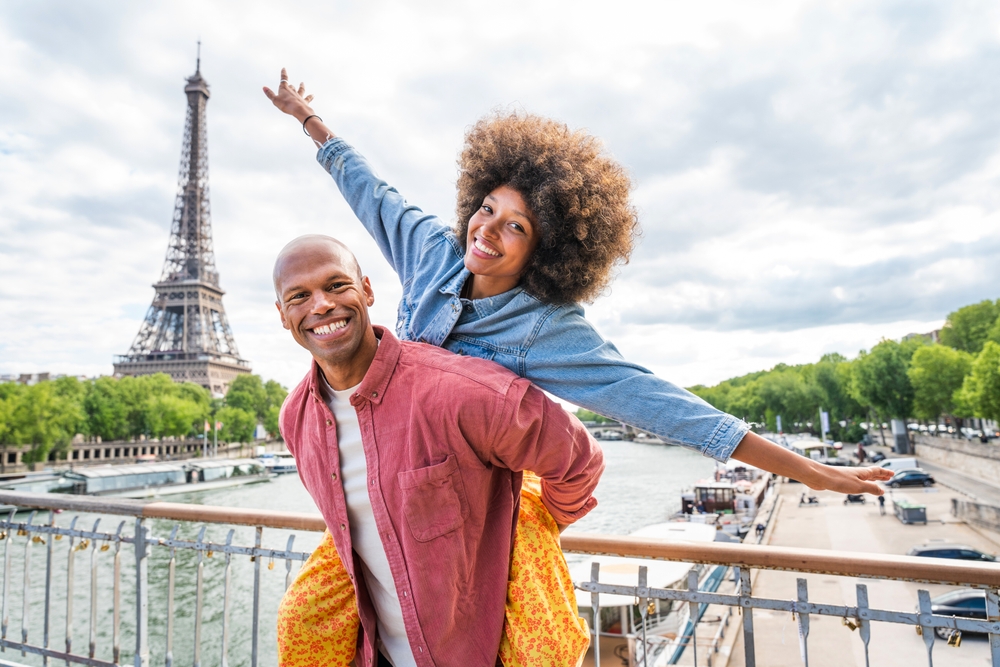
x=445, y=438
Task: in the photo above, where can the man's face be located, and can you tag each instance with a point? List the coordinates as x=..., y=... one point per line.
x=323, y=300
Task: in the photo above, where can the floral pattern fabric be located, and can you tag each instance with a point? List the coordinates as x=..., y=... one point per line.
x=318, y=619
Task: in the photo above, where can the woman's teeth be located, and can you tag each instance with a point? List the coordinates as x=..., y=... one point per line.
x=330, y=328
x=488, y=251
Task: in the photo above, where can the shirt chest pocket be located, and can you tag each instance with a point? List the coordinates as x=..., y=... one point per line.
x=434, y=499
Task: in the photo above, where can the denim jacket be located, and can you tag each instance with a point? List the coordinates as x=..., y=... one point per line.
x=552, y=345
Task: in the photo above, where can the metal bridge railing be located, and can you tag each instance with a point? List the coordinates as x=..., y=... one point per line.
x=88, y=546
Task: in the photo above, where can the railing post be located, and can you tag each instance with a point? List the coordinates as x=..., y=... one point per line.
x=993, y=616
x=864, y=625
x=198, y=597
x=643, y=611
x=26, y=606
x=93, y=594
x=116, y=605
x=256, y=594
x=48, y=587
x=288, y=562
x=225, y=601
x=926, y=630
x=595, y=606
x=694, y=610
x=171, y=576
x=749, y=650
x=7, y=538
x=70, y=570
x=141, y=594
x=802, y=590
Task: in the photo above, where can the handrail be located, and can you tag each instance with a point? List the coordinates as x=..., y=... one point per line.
x=819, y=561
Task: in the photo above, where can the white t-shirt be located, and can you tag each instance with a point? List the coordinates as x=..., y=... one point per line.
x=364, y=532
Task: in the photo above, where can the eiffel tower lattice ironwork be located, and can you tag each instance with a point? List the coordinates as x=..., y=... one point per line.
x=186, y=333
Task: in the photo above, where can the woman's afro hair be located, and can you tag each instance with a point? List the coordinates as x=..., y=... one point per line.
x=578, y=196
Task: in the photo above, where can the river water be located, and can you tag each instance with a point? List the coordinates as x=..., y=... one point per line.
x=641, y=485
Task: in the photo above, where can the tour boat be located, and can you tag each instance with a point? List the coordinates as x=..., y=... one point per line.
x=279, y=463
x=144, y=480
x=669, y=625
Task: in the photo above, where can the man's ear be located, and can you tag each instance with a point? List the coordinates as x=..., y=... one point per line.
x=366, y=285
x=284, y=322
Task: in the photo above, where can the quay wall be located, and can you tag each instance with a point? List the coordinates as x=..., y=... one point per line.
x=99, y=453
x=977, y=514
x=972, y=458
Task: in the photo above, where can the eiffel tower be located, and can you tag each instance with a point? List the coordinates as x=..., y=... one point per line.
x=186, y=333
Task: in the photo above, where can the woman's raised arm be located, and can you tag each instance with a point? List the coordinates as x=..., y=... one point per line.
x=294, y=102
x=399, y=228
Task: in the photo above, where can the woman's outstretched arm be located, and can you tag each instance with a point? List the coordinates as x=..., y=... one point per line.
x=399, y=228
x=766, y=455
x=294, y=102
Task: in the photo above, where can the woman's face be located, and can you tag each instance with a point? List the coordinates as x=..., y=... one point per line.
x=502, y=235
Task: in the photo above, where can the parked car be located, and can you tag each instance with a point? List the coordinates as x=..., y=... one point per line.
x=964, y=602
x=950, y=550
x=876, y=457
x=911, y=478
x=900, y=463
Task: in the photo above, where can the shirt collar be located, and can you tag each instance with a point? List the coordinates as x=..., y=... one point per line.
x=372, y=387
x=454, y=286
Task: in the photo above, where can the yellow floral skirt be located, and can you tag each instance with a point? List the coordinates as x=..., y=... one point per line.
x=318, y=619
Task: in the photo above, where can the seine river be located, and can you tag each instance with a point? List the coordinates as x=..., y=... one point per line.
x=640, y=486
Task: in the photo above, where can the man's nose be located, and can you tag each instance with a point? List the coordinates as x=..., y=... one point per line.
x=323, y=302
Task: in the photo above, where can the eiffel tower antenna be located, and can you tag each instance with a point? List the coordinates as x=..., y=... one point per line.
x=186, y=333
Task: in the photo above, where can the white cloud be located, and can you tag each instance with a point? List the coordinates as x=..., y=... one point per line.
x=812, y=176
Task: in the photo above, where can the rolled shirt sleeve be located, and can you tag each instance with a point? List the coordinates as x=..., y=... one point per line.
x=533, y=432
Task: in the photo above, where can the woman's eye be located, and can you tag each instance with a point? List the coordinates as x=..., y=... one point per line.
x=487, y=208
x=517, y=227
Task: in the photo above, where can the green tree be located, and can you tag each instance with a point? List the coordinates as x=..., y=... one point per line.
x=936, y=373
x=276, y=394
x=969, y=327
x=237, y=424
x=980, y=392
x=272, y=422
x=104, y=409
x=172, y=415
x=46, y=417
x=879, y=379
x=247, y=393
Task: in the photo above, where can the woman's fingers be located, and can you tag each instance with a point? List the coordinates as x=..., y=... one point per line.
x=270, y=93
x=309, y=98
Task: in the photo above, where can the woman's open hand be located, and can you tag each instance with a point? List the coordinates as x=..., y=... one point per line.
x=289, y=99
x=850, y=480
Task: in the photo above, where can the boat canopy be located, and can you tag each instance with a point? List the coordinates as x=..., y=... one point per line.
x=104, y=479
x=621, y=571
x=212, y=469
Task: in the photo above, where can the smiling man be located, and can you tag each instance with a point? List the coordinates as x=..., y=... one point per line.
x=414, y=456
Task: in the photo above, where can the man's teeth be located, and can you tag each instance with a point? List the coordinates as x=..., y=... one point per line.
x=330, y=328
x=488, y=251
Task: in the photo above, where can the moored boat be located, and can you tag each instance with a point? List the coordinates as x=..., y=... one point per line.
x=668, y=625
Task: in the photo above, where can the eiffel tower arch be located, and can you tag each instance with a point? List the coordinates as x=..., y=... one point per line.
x=185, y=333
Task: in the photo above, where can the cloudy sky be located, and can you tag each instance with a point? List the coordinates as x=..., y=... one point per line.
x=811, y=176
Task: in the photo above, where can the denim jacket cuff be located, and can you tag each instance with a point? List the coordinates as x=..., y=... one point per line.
x=331, y=150
x=727, y=436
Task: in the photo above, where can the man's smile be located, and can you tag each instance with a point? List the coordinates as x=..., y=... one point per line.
x=329, y=329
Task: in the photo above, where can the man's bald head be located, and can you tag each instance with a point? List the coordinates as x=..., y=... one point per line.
x=313, y=248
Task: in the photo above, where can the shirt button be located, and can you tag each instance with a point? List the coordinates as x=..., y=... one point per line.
x=469, y=308
x=374, y=394
x=329, y=422
x=334, y=475
x=343, y=527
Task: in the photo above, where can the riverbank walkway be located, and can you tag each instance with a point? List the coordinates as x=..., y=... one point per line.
x=836, y=526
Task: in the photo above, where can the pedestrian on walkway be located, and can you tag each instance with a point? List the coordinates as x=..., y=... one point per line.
x=881, y=505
